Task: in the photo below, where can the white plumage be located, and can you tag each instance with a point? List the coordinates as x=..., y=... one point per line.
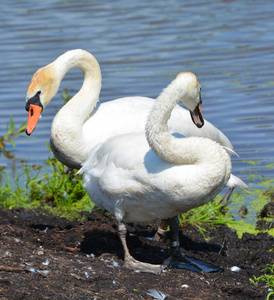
x=135, y=183
x=83, y=124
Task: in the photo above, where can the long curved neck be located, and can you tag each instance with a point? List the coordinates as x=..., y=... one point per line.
x=84, y=101
x=204, y=160
x=171, y=149
x=67, y=127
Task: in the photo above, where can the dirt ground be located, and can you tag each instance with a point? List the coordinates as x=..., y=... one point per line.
x=46, y=257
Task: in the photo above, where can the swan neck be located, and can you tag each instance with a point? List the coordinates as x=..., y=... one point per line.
x=80, y=59
x=88, y=95
x=67, y=136
x=165, y=145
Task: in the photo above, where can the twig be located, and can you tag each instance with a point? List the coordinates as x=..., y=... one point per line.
x=72, y=249
x=14, y=270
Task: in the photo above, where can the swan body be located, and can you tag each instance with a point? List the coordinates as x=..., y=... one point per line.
x=139, y=177
x=159, y=175
x=139, y=186
x=83, y=122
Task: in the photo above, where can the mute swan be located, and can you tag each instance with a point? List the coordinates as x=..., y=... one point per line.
x=74, y=132
x=139, y=177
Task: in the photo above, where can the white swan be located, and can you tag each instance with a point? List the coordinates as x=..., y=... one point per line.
x=74, y=132
x=140, y=177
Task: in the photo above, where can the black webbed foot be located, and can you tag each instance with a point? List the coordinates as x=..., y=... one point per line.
x=182, y=261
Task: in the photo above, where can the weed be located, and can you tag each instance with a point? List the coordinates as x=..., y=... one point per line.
x=268, y=278
x=8, y=137
x=65, y=95
x=49, y=188
x=207, y=216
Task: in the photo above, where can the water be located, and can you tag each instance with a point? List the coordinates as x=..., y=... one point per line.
x=141, y=47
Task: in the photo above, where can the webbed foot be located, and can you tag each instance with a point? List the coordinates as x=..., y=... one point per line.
x=182, y=261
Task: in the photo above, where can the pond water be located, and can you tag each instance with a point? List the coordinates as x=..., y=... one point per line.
x=141, y=46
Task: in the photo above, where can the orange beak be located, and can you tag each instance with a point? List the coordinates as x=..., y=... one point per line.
x=34, y=114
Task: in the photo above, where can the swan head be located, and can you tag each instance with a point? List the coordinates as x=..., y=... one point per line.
x=190, y=89
x=42, y=88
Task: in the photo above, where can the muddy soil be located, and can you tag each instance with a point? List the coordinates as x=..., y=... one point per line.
x=46, y=257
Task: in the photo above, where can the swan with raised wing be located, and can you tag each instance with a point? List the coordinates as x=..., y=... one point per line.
x=142, y=176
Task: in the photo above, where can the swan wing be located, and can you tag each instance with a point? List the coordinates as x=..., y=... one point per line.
x=127, y=115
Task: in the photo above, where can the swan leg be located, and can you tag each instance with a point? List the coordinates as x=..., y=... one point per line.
x=227, y=196
x=132, y=263
x=181, y=261
x=162, y=230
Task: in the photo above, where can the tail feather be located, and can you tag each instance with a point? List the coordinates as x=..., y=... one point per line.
x=235, y=181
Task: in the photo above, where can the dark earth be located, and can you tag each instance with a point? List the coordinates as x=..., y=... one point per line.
x=47, y=257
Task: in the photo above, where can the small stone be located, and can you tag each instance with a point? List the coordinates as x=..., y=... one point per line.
x=235, y=269
x=267, y=211
x=242, y=211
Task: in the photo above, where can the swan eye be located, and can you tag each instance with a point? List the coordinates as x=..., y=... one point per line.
x=38, y=93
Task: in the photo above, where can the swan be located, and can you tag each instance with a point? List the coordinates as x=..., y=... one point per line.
x=82, y=123
x=142, y=176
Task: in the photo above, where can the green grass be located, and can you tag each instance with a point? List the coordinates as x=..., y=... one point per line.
x=8, y=137
x=267, y=278
x=207, y=217
x=48, y=188
x=66, y=95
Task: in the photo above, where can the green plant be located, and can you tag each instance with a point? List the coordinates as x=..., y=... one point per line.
x=65, y=95
x=207, y=216
x=49, y=188
x=8, y=137
x=268, y=278
x=61, y=191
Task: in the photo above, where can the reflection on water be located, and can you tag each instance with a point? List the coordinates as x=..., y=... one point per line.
x=140, y=47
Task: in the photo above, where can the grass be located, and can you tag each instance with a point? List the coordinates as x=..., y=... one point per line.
x=267, y=278
x=49, y=188
x=8, y=137
x=65, y=95
x=207, y=216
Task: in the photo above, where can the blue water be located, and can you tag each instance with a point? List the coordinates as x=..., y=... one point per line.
x=141, y=46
